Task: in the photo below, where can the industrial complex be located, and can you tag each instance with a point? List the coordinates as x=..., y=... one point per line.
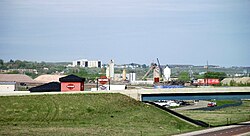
x=155, y=85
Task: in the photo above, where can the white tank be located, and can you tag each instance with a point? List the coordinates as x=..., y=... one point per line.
x=111, y=69
x=132, y=77
x=167, y=73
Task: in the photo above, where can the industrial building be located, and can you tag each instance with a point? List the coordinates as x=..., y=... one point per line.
x=8, y=86
x=72, y=83
x=67, y=84
x=87, y=63
x=20, y=81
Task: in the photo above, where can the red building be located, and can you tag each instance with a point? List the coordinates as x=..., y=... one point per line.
x=72, y=83
x=208, y=81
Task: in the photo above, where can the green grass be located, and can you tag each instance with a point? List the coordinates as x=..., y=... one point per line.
x=223, y=102
x=229, y=115
x=85, y=114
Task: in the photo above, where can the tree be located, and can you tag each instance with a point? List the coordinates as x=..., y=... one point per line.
x=1, y=62
x=217, y=75
x=11, y=61
x=144, y=66
x=184, y=77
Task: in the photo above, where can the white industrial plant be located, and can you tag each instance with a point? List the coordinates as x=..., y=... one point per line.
x=87, y=63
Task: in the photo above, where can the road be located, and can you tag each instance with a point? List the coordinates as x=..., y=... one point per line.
x=242, y=129
x=200, y=104
x=228, y=132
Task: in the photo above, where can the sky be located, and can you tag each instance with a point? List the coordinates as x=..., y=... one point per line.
x=140, y=31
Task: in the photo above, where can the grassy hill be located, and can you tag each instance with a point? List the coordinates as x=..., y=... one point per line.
x=84, y=114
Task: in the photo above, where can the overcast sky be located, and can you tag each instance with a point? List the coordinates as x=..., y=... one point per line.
x=175, y=31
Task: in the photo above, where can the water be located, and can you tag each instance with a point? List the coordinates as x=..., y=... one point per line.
x=210, y=96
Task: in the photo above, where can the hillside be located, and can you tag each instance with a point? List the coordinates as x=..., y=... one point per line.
x=84, y=114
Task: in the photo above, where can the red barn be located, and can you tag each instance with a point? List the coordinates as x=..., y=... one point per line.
x=72, y=83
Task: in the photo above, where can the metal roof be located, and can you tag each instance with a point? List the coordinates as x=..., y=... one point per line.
x=71, y=78
x=49, y=87
x=7, y=83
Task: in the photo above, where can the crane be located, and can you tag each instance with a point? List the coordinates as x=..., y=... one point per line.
x=157, y=70
x=153, y=66
x=161, y=70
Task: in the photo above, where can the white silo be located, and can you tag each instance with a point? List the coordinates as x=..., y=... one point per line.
x=107, y=72
x=132, y=77
x=111, y=69
x=167, y=73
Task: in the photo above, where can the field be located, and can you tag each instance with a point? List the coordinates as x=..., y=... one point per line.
x=229, y=115
x=85, y=114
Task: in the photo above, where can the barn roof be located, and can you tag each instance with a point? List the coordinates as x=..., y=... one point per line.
x=48, y=78
x=71, y=78
x=48, y=87
x=21, y=78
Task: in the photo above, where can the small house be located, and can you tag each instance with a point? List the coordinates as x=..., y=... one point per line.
x=72, y=83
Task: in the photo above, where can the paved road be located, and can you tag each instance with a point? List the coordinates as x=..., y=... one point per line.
x=228, y=132
x=243, y=129
x=200, y=104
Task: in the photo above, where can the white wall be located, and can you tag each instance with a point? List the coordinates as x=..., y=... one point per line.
x=91, y=64
x=7, y=88
x=112, y=87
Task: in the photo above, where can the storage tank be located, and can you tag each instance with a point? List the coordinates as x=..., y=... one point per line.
x=167, y=73
x=111, y=69
x=132, y=77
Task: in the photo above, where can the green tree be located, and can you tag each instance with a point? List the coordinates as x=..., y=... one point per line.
x=232, y=83
x=184, y=77
x=2, y=64
x=217, y=75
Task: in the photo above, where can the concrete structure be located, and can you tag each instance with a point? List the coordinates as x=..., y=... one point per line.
x=110, y=71
x=142, y=82
x=138, y=93
x=124, y=77
x=7, y=86
x=72, y=83
x=111, y=87
x=87, y=63
x=132, y=77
